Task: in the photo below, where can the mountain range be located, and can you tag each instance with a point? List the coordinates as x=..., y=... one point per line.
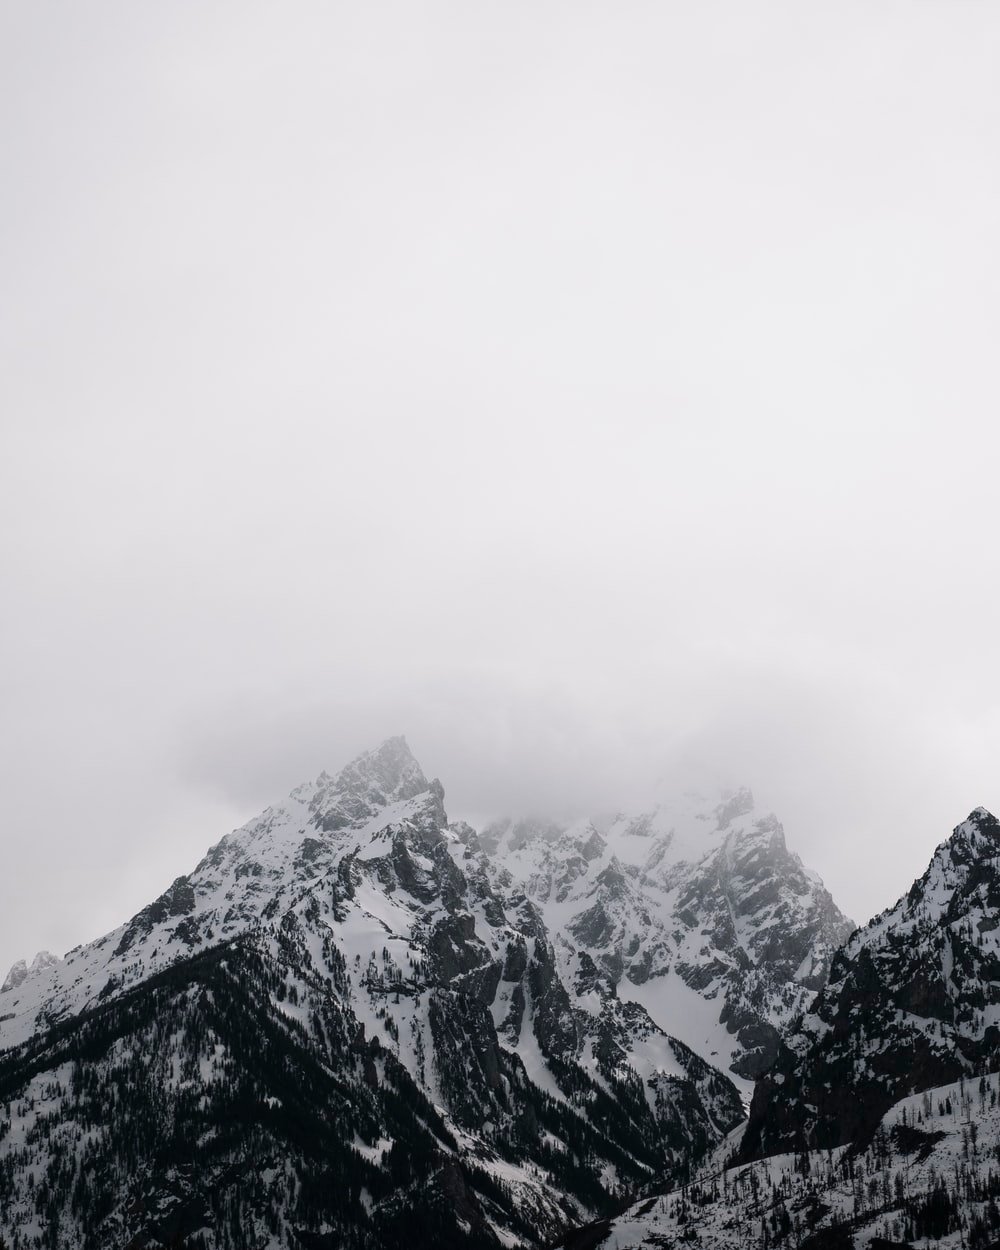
x=357, y=1023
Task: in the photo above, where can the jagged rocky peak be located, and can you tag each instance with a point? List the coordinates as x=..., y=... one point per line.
x=44, y=959
x=22, y=970
x=376, y=779
x=912, y=1001
x=734, y=803
x=380, y=799
x=15, y=977
x=695, y=908
x=976, y=838
x=962, y=875
x=979, y=821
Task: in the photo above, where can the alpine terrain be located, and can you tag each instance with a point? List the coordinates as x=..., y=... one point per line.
x=878, y=1124
x=357, y=1024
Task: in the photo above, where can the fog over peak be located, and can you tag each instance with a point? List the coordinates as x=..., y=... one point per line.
x=604, y=399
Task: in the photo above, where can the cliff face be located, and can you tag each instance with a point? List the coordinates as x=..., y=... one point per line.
x=912, y=1001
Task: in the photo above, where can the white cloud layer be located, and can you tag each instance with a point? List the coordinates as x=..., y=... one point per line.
x=604, y=396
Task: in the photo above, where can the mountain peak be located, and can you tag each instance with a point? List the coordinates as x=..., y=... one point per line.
x=977, y=838
x=20, y=972
x=907, y=1005
x=979, y=820
x=389, y=770
x=15, y=976
x=387, y=774
x=734, y=803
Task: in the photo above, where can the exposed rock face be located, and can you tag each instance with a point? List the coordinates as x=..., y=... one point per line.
x=878, y=1125
x=697, y=910
x=912, y=1001
x=373, y=781
x=15, y=977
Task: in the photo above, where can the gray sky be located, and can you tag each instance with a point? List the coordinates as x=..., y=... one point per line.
x=600, y=394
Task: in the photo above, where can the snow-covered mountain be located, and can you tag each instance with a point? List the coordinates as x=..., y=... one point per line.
x=878, y=1125
x=335, y=1031
x=22, y=970
x=912, y=1001
x=696, y=910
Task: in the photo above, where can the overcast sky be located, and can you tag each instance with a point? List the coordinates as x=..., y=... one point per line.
x=602, y=395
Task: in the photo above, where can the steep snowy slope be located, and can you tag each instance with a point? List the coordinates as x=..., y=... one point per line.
x=696, y=910
x=360, y=1041
x=22, y=970
x=879, y=1124
x=913, y=1000
x=928, y=1178
x=253, y=870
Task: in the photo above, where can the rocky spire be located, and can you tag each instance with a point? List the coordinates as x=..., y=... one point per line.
x=388, y=774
